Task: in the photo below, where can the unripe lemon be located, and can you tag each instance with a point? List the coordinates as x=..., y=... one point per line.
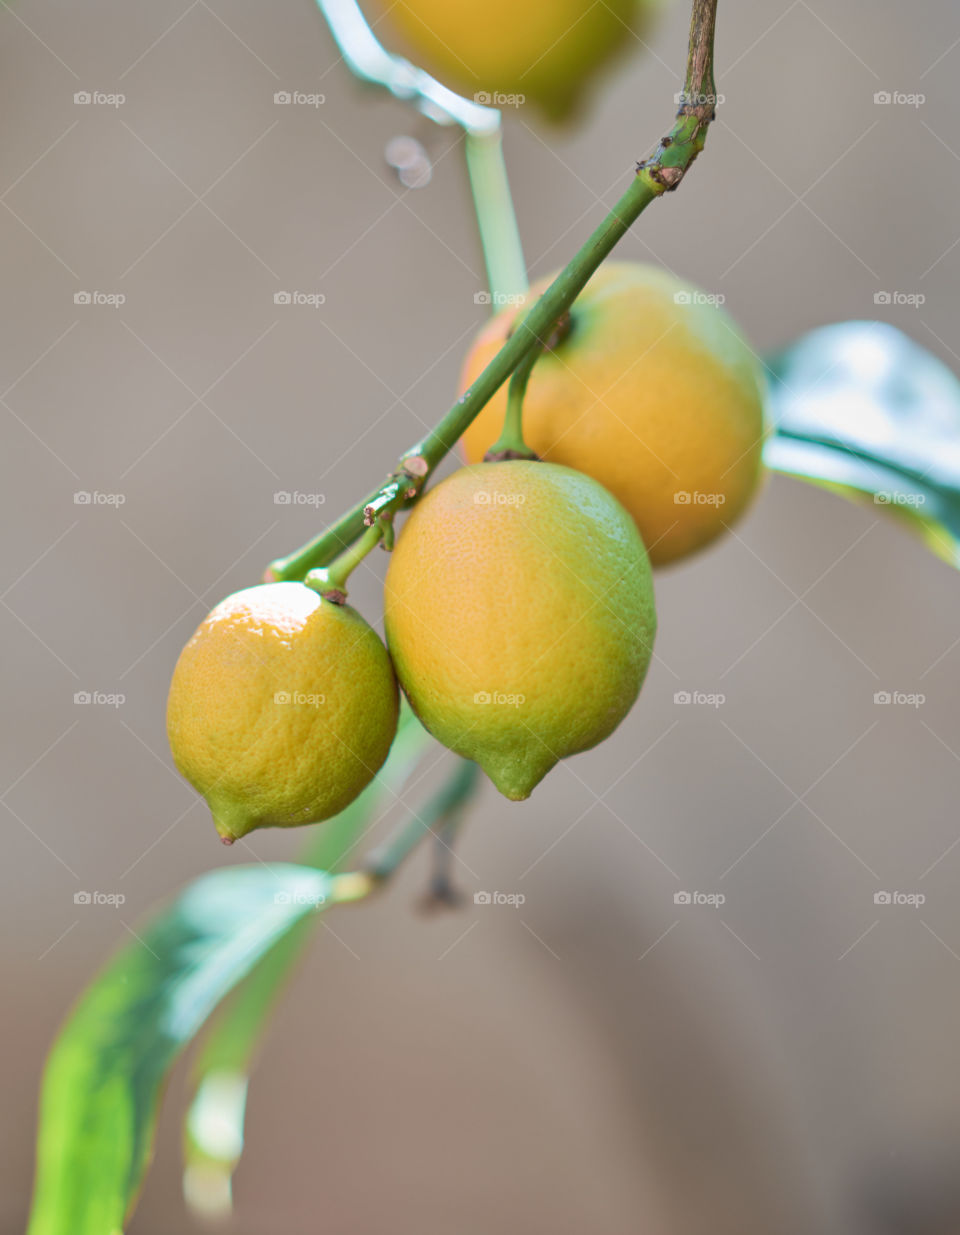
x=520, y=616
x=653, y=392
x=282, y=708
x=544, y=52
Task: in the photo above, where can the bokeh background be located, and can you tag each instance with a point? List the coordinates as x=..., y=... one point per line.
x=600, y=1058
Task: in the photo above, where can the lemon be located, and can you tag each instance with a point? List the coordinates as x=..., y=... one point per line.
x=282, y=708
x=506, y=54
x=520, y=616
x=654, y=393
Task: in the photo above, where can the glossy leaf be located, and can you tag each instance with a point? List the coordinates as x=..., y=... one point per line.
x=104, y=1074
x=863, y=410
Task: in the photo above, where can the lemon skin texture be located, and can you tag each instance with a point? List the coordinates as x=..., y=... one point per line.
x=520, y=616
x=282, y=708
x=545, y=52
x=654, y=393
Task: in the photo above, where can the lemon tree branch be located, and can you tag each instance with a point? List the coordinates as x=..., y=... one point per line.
x=442, y=812
x=661, y=172
x=440, y=817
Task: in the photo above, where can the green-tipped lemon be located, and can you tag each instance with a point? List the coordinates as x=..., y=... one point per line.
x=282, y=708
x=520, y=616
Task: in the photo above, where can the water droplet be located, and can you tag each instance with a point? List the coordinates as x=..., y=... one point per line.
x=410, y=161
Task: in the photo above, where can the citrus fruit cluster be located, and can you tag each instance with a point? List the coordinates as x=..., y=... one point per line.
x=518, y=603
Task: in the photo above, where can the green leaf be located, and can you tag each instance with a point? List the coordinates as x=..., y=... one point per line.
x=214, y=1129
x=103, y=1077
x=864, y=411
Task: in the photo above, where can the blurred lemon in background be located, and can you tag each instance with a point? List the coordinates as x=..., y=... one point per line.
x=653, y=392
x=507, y=54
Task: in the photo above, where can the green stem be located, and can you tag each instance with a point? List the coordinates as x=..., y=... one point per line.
x=442, y=891
x=441, y=816
x=510, y=444
x=439, y=812
x=499, y=235
x=331, y=581
x=659, y=173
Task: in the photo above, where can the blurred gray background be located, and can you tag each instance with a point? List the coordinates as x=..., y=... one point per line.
x=601, y=1058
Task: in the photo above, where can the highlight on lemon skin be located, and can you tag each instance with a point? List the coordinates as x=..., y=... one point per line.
x=653, y=392
x=282, y=708
x=520, y=616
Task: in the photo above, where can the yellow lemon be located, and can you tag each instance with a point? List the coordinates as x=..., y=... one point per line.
x=282, y=708
x=520, y=616
x=653, y=392
x=506, y=54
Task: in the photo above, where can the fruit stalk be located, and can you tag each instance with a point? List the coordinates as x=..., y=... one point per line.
x=661, y=172
x=510, y=443
x=441, y=813
x=331, y=581
x=442, y=892
x=499, y=236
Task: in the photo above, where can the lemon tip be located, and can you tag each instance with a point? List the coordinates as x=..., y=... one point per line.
x=231, y=825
